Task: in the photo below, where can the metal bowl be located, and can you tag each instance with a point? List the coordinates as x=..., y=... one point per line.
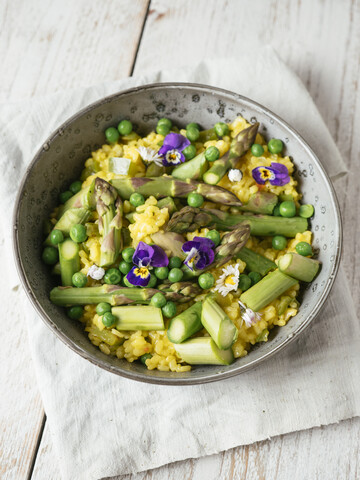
x=60, y=161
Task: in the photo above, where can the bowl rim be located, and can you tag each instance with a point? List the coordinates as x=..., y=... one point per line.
x=143, y=377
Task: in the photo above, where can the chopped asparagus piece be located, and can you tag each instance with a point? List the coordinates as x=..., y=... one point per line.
x=185, y=324
x=218, y=324
x=69, y=260
x=71, y=217
x=171, y=242
x=138, y=318
x=194, y=168
x=299, y=267
x=203, y=351
x=207, y=135
x=83, y=199
x=256, y=262
x=283, y=304
x=268, y=289
x=154, y=170
x=261, y=202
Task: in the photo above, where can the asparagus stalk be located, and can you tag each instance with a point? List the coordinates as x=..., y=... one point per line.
x=256, y=262
x=138, y=318
x=268, y=289
x=185, y=324
x=71, y=217
x=69, y=260
x=56, y=270
x=171, y=242
x=83, y=199
x=203, y=351
x=194, y=168
x=207, y=135
x=189, y=219
x=284, y=303
x=261, y=202
x=154, y=170
x=166, y=202
x=167, y=186
x=299, y=267
x=218, y=324
x=238, y=147
x=180, y=292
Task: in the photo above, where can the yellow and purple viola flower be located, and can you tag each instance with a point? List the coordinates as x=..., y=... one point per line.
x=200, y=253
x=145, y=258
x=172, y=148
x=277, y=174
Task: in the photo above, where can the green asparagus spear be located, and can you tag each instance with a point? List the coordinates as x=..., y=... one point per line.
x=185, y=324
x=167, y=186
x=256, y=262
x=268, y=289
x=83, y=199
x=207, y=135
x=154, y=170
x=194, y=168
x=171, y=242
x=69, y=260
x=71, y=217
x=218, y=324
x=238, y=147
x=203, y=351
x=138, y=318
x=189, y=219
x=261, y=202
x=299, y=267
x=166, y=202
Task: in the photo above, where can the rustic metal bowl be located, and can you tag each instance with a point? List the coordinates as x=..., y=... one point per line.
x=60, y=161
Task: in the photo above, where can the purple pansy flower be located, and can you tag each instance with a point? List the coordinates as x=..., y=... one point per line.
x=277, y=174
x=145, y=257
x=171, y=151
x=200, y=253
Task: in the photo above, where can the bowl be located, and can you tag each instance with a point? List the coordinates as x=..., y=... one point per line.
x=60, y=161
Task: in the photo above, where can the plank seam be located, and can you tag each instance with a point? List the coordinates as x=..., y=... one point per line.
x=140, y=38
x=36, y=449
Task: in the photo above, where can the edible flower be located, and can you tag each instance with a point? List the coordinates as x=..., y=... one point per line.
x=96, y=272
x=235, y=175
x=249, y=316
x=277, y=174
x=172, y=148
x=150, y=155
x=145, y=257
x=228, y=280
x=200, y=253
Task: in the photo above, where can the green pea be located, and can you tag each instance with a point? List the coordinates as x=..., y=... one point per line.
x=257, y=150
x=169, y=309
x=192, y=134
x=175, y=262
x=78, y=233
x=125, y=267
x=192, y=125
x=206, y=280
x=127, y=254
x=102, y=308
x=152, y=282
x=244, y=282
x=56, y=237
x=275, y=145
x=189, y=152
x=161, y=272
x=158, y=300
x=213, y=235
x=136, y=199
x=175, y=275
x=162, y=129
x=279, y=242
x=75, y=312
x=306, y=211
x=65, y=196
x=255, y=277
x=112, y=135
x=50, y=255
x=145, y=357
x=212, y=154
x=165, y=121
x=195, y=199
x=79, y=280
x=112, y=276
x=221, y=129
x=127, y=283
x=75, y=187
x=276, y=211
x=108, y=319
x=304, y=249
x=287, y=209
x=125, y=127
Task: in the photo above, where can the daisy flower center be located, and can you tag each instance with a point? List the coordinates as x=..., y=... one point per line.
x=230, y=280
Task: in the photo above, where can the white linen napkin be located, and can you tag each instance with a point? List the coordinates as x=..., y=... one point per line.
x=103, y=425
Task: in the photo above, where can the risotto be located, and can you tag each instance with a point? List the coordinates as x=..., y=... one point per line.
x=182, y=247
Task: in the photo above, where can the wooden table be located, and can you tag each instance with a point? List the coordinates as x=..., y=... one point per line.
x=47, y=46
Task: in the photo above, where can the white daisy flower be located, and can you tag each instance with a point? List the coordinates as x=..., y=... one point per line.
x=96, y=272
x=150, y=155
x=229, y=280
x=249, y=316
x=235, y=175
